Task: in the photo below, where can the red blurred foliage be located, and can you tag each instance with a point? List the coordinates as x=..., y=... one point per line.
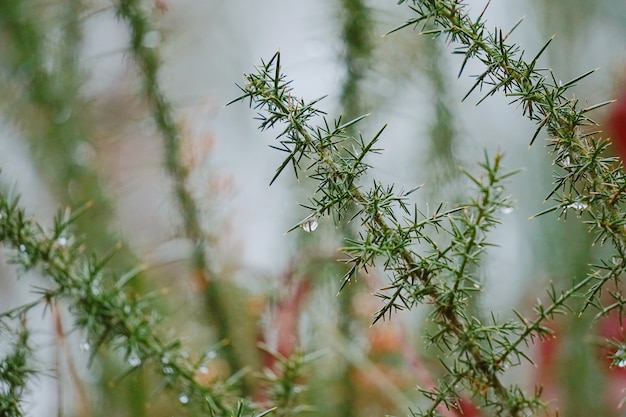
x=616, y=123
x=547, y=362
x=548, y=358
x=286, y=313
x=611, y=327
x=467, y=409
x=280, y=339
x=161, y=6
x=388, y=339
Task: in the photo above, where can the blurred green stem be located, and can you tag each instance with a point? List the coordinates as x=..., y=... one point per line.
x=149, y=62
x=441, y=159
x=357, y=25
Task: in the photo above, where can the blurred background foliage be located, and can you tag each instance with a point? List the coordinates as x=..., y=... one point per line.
x=76, y=128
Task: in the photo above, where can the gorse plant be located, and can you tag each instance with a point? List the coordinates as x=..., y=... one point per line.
x=101, y=306
x=15, y=369
x=442, y=275
x=589, y=181
x=432, y=258
x=113, y=317
x=399, y=237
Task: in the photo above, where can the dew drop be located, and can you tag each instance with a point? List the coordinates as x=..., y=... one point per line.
x=309, y=224
x=84, y=154
x=566, y=161
x=62, y=241
x=165, y=359
x=203, y=369
x=85, y=346
x=619, y=359
x=621, y=362
x=22, y=248
x=211, y=354
x=95, y=289
x=134, y=360
x=578, y=205
x=477, y=285
x=168, y=370
x=183, y=398
x=507, y=210
x=63, y=115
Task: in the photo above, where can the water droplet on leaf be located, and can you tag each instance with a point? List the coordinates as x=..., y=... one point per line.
x=203, y=369
x=134, y=360
x=63, y=115
x=507, y=210
x=85, y=346
x=183, y=398
x=84, y=154
x=578, y=205
x=620, y=360
x=95, y=288
x=309, y=224
x=566, y=161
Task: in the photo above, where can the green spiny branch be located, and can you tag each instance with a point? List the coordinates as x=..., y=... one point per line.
x=589, y=181
x=438, y=275
x=111, y=318
x=15, y=367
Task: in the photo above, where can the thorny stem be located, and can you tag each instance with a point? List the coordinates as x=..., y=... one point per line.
x=108, y=314
x=286, y=112
x=589, y=180
x=15, y=367
x=535, y=326
x=589, y=177
x=459, y=327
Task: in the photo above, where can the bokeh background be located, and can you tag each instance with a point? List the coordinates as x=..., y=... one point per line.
x=90, y=137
